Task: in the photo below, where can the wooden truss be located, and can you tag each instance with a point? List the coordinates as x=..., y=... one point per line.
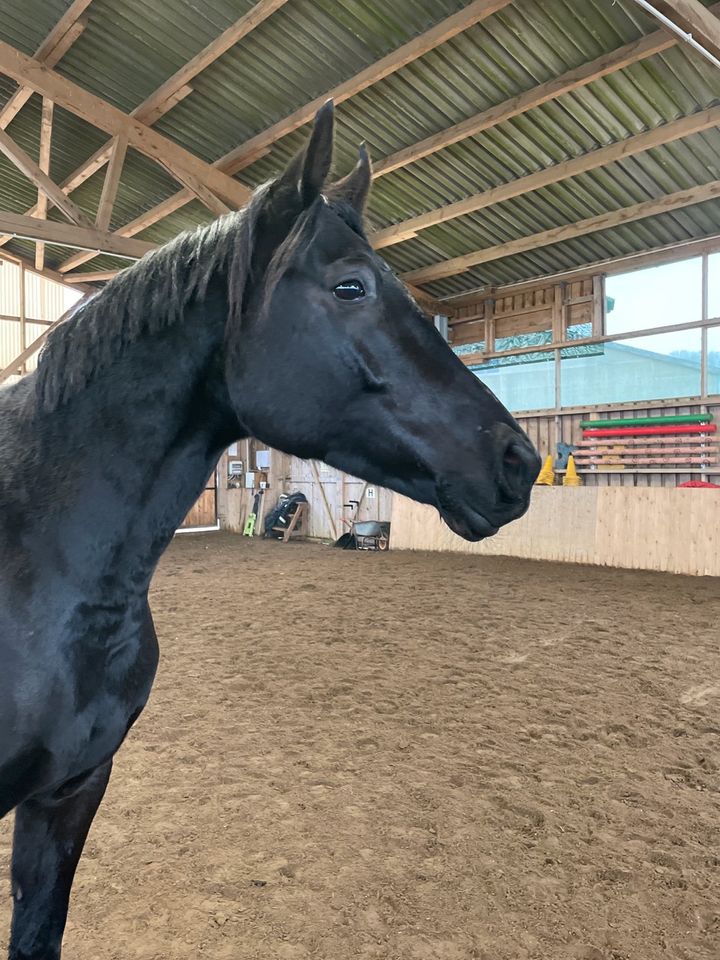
x=214, y=184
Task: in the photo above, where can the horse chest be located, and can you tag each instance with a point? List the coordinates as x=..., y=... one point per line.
x=92, y=682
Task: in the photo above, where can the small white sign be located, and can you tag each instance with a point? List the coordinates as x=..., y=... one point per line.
x=370, y=493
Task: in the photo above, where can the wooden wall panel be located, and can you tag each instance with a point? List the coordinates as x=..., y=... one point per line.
x=652, y=529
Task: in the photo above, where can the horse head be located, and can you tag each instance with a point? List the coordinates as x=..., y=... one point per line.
x=333, y=360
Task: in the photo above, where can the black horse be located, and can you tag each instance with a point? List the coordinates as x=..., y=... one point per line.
x=277, y=322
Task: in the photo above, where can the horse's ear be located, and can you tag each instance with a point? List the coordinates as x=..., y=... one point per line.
x=318, y=154
x=355, y=187
x=307, y=171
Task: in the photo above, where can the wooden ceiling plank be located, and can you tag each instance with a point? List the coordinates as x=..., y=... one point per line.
x=666, y=133
x=605, y=221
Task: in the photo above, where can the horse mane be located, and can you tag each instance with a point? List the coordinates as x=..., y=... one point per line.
x=147, y=297
x=153, y=293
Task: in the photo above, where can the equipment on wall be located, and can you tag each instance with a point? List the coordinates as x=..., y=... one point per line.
x=638, y=443
x=251, y=521
x=287, y=517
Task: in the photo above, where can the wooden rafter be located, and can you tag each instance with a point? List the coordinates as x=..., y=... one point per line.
x=695, y=19
x=172, y=92
x=212, y=52
x=581, y=76
x=574, y=79
x=553, y=174
x=111, y=183
x=448, y=28
x=94, y=276
x=53, y=48
x=104, y=115
x=258, y=146
x=27, y=166
x=69, y=235
x=610, y=265
x=46, y=122
x=616, y=218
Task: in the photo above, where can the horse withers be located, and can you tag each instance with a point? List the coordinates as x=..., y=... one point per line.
x=278, y=322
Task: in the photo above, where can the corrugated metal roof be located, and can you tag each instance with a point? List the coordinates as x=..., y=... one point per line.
x=131, y=46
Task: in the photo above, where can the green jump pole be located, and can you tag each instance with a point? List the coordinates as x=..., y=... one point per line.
x=647, y=421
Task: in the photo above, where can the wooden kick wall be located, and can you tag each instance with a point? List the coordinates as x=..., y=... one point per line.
x=676, y=531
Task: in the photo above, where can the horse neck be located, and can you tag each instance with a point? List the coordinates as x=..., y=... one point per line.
x=128, y=456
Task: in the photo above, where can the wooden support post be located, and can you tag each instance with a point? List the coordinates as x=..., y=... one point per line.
x=558, y=313
x=598, y=305
x=23, y=317
x=328, y=511
x=46, y=123
x=111, y=182
x=489, y=307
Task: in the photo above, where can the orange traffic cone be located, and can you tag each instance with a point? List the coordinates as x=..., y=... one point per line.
x=571, y=478
x=546, y=477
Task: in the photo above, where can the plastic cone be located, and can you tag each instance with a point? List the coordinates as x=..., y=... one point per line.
x=546, y=477
x=571, y=478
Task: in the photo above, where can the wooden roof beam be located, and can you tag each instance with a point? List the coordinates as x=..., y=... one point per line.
x=605, y=221
x=69, y=235
x=212, y=52
x=571, y=80
x=448, y=28
x=174, y=158
x=27, y=166
x=176, y=87
x=53, y=48
x=581, y=76
x=695, y=22
x=258, y=146
x=592, y=160
x=111, y=182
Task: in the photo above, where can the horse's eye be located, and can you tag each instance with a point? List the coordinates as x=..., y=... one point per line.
x=349, y=290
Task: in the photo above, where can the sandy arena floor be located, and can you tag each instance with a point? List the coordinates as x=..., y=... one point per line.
x=412, y=756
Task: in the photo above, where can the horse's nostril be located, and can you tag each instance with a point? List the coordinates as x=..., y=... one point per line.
x=518, y=468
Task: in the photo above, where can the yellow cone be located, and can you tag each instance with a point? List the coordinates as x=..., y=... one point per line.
x=546, y=477
x=571, y=478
